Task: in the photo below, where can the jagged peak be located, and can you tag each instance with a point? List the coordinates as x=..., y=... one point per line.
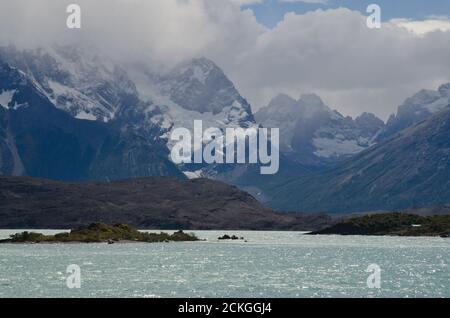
x=204, y=62
x=367, y=115
x=312, y=99
x=282, y=99
x=198, y=68
x=444, y=89
x=313, y=103
x=369, y=118
x=422, y=97
x=307, y=104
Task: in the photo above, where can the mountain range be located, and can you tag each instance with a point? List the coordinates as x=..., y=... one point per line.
x=410, y=169
x=315, y=135
x=73, y=115
x=37, y=139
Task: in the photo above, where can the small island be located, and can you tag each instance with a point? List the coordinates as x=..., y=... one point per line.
x=394, y=224
x=101, y=233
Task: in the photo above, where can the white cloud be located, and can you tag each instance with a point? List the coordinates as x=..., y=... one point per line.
x=332, y=52
x=165, y=30
x=306, y=1
x=246, y=2
x=423, y=27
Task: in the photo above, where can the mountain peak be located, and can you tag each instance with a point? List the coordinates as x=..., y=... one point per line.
x=312, y=104
x=314, y=134
x=203, y=62
x=200, y=85
x=417, y=108
x=368, y=117
x=444, y=89
x=312, y=99
x=198, y=69
x=282, y=100
x=424, y=96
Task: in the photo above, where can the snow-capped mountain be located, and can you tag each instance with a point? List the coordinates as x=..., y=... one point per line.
x=69, y=114
x=200, y=85
x=92, y=87
x=314, y=134
x=37, y=139
x=194, y=90
x=411, y=169
x=77, y=81
x=417, y=108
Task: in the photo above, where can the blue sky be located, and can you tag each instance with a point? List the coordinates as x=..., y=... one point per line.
x=270, y=12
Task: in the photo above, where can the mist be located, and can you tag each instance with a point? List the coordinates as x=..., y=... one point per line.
x=332, y=52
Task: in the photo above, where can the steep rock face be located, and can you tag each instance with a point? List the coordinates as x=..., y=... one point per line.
x=148, y=203
x=415, y=109
x=411, y=169
x=313, y=134
x=194, y=90
x=200, y=85
x=7, y=165
x=40, y=140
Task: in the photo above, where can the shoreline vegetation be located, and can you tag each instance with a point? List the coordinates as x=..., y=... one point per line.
x=391, y=224
x=383, y=224
x=101, y=233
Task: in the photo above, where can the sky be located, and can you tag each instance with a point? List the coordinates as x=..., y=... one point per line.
x=266, y=47
x=271, y=12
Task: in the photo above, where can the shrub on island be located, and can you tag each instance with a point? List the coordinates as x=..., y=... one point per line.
x=100, y=232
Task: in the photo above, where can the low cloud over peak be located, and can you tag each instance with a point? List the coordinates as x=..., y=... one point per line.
x=331, y=52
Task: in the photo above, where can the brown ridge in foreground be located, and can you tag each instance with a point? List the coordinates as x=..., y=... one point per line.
x=146, y=203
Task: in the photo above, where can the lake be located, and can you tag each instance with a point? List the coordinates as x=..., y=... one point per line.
x=267, y=264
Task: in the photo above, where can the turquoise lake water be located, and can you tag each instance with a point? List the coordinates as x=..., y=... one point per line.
x=269, y=264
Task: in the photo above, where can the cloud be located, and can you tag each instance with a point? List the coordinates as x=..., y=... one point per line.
x=332, y=52
x=246, y=2
x=426, y=26
x=306, y=1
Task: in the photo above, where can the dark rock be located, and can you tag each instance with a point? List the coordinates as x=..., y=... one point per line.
x=228, y=237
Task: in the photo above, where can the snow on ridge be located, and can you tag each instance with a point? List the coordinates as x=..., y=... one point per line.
x=193, y=174
x=156, y=90
x=86, y=116
x=429, y=100
x=328, y=148
x=199, y=69
x=199, y=75
x=73, y=98
x=438, y=105
x=6, y=98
